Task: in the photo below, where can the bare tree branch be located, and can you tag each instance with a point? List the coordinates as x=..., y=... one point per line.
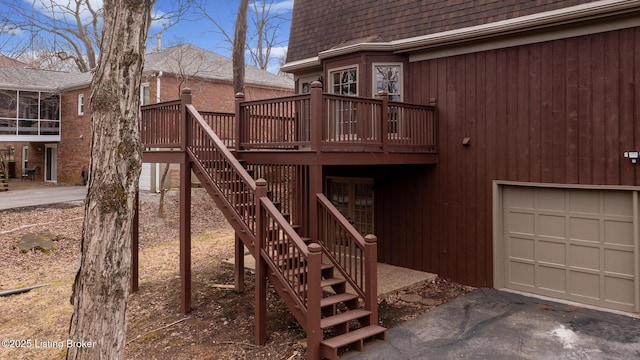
x=74, y=25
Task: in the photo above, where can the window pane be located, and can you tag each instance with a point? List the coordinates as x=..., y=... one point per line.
x=28, y=108
x=8, y=104
x=387, y=79
x=345, y=82
x=49, y=106
x=146, y=95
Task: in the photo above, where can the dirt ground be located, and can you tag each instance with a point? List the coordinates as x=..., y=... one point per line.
x=220, y=326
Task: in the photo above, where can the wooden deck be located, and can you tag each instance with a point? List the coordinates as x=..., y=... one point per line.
x=315, y=128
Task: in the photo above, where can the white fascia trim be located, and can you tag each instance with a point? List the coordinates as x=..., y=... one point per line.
x=301, y=64
x=567, y=15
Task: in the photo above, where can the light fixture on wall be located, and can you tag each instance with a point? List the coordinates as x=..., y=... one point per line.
x=633, y=155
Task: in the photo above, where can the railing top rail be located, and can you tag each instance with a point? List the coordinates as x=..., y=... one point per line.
x=407, y=105
x=216, y=113
x=222, y=148
x=275, y=100
x=160, y=105
x=351, y=98
x=341, y=219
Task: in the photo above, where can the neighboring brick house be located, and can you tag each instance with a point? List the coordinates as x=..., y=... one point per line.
x=536, y=182
x=39, y=121
x=45, y=115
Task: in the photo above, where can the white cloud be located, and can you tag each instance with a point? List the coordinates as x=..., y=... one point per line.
x=282, y=6
x=64, y=9
x=10, y=30
x=278, y=7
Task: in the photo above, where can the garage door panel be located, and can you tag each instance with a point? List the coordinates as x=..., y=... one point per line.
x=617, y=203
x=584, y=285
x=553, y=252
x=522, y=248
x=619, y=262
x=573, y=244
x=552, y=279
x=522, y=274
x=552, y=226
x=584, y=229
x=552, y=200
x=618, y=232
x=583, y=201
x=619, y=291
x=521, y=197
x=584, y=257
x=522, y=223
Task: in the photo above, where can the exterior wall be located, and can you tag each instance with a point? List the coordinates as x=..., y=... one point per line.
x=555, y=112
x=208, y=95
x=75, y=138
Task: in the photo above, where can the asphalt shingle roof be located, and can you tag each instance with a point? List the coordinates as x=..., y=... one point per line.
x=197, y=62
x=187, y=59
x=319, y=25
x=43, y=80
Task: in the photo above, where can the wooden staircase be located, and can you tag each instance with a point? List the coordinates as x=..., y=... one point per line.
x=334, y=316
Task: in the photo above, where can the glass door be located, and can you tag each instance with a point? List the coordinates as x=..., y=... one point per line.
x=51, y=163
x=353, y=197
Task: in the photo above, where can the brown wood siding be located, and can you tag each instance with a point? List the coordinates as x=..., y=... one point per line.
x=558, y=112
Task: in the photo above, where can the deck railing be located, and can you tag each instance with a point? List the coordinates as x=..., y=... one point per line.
x=160, y=125
x=223, y=124
x=230, y=178
x=281, y=123
x=344, y=123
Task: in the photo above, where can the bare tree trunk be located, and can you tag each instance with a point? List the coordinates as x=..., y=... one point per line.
x=101, y=286
x=239, y=42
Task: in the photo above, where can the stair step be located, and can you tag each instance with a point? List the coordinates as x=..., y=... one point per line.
x=337, y=299
x=331, y=282
x=351, y=337
x=343, y=318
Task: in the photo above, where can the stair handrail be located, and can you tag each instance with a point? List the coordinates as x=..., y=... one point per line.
x=353, y=255
x=267, y=205
x=287, y=237
x=208, y=158
x=303, y=281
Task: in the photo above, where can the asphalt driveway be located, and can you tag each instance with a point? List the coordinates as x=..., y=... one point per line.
x=492, y=324
x=41, y=196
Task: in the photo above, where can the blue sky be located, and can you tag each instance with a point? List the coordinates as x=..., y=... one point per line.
x=193, y=28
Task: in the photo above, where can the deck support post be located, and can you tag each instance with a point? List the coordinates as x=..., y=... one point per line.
x=135, y=235
x=315, y=187
x=239, y=264
x=185, y=208
x=371, y=277
x=315, y=108
x=261, y=266
x=314, y=295
x=238, y=125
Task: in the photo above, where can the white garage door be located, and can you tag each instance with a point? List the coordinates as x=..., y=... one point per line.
x=146, y=177
x=574, y=244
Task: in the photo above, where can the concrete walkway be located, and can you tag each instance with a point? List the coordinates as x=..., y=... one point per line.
x=43, y=195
